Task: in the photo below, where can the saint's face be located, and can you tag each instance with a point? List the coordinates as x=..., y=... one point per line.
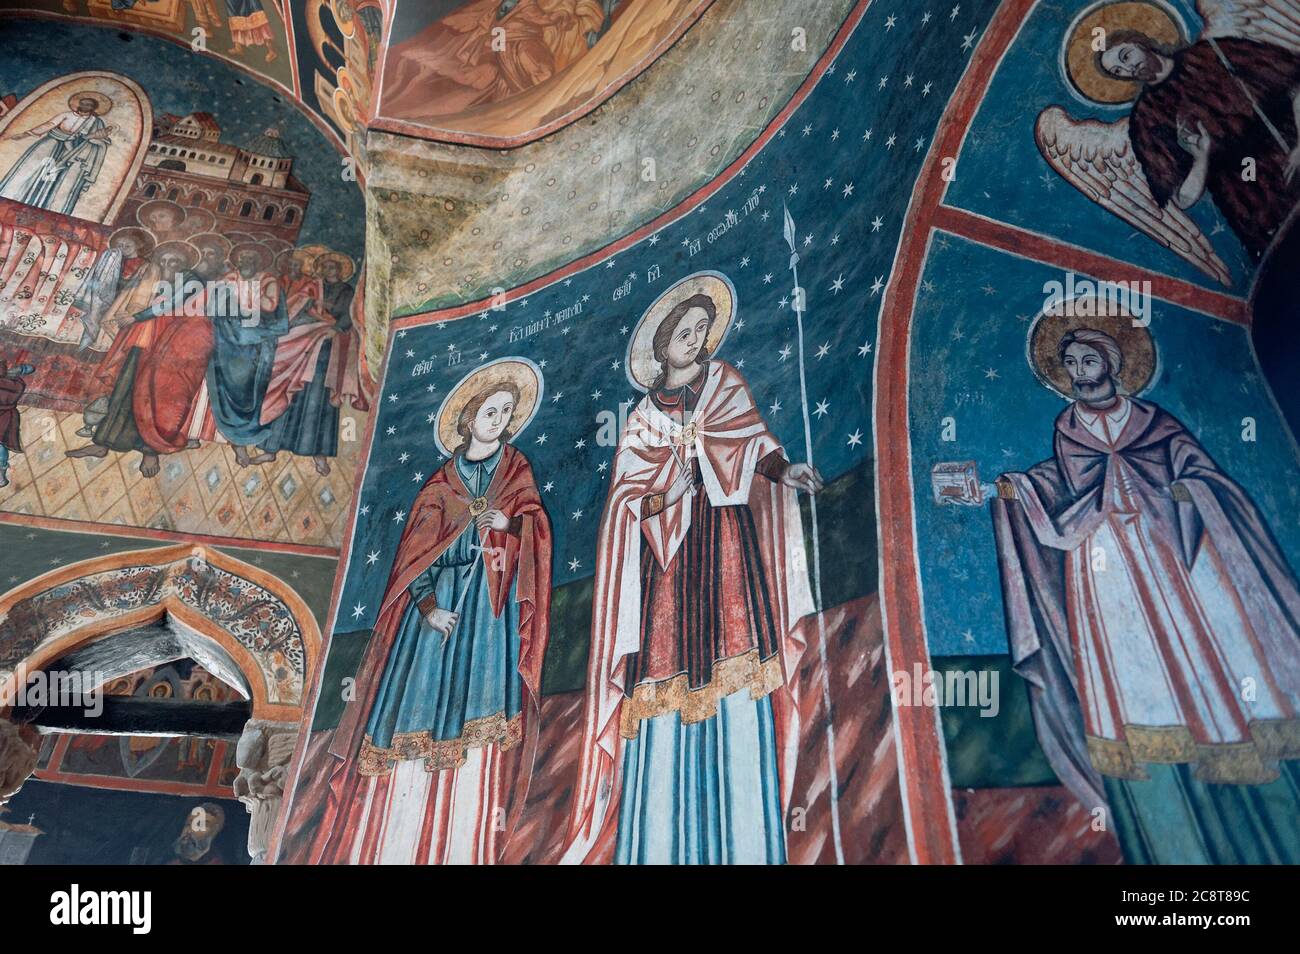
x=295, y=268
x=1130, y=61
x=330, y=271
x=162, y=221
x=171, y=263
x=247, y=264
x=1088, y=371
x=688, y=338
x=212, y=262
x=86, y=106
x=127, y=246
x=493, y=417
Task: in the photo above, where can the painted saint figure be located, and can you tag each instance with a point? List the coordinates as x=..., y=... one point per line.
x=248, y=318
x=436, y=750
x=1143, y=590
x=314, y=361
x=691, y=722
x=56, y=170
x=154, y=366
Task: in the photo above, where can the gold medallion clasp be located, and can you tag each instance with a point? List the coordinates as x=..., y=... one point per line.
x=478, y=506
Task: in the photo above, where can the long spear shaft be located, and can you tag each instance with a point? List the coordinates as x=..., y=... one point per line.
x=816, y=549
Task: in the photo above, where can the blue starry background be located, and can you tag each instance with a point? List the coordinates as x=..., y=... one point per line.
x=179, y=81
x=968, y=362
x=844, y=163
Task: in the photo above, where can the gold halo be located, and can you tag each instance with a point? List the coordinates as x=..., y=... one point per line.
x=642, y=366
x=184, y=248
x=307, y=258
x=520, y=372
x=1136, y=347
x=1079, y=60
x=266, y=258
x=347, y=267
x=143, y=239
x=153, y=205
x=212, y=238
x=102, y=103
x=198, y=220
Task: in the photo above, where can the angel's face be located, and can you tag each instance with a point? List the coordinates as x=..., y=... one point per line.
x=1130, y=61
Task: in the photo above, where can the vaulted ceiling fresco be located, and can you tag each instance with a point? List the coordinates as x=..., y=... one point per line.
x=681, y=432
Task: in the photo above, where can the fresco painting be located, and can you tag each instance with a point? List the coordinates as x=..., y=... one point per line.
x=917, y=489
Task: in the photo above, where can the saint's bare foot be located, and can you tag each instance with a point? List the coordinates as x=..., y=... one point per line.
x=149, y=465
x=322, y=466
x=92, y=450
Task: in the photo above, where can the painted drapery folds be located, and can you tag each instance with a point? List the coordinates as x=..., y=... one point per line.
x=919, y=489
x=180, y=298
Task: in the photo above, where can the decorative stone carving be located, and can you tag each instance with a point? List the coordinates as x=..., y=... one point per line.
x=263, y=755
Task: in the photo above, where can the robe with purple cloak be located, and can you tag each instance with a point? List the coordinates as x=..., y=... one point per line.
x=1142, y=589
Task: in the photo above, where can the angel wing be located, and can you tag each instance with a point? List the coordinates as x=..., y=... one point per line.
x=1265, y=21
x=1097, y=159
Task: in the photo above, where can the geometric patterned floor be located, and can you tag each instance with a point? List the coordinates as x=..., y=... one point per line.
x=196, y=491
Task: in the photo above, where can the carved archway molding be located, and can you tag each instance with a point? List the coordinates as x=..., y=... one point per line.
x=259, y=620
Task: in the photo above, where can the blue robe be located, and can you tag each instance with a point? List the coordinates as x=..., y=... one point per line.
x=243, y=357
x=433, y=686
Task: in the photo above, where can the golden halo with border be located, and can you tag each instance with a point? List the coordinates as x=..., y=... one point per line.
x=641, y=365
x=102, y=102
x=216, y=239
x=1078, y=59
x=265, y=257
x=522, y=373
x=1137, y=348
x=147, y=209
x=198, y=220
x=183, y=248
x=306, y=257
x=347, y=267
x=143, y=240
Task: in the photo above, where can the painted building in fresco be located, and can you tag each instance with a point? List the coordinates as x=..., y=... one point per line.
x=663, y=439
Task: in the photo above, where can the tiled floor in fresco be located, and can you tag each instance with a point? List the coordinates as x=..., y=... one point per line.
x=196, y=491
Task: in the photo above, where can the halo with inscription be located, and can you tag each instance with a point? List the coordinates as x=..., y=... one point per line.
x=520, y=372
x=642, y=366
x=1140, y=359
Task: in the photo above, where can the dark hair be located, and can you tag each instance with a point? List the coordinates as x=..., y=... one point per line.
x=472, y=406
x=666, y=328
x=1137, y=37
x=1098, y=341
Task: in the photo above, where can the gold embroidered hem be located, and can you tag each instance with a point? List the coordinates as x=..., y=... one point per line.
x=650, y=699
x=254, y=21
x=1252, y=762
x=440, y=754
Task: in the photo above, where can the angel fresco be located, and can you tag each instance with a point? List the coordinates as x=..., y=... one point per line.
x=1152, y=613
x=1216, y=116
x=435, y=752
x=701, y=575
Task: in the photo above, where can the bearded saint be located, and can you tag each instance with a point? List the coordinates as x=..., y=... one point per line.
x=701, y=575
x=1207, y=112
x=1144, y=592
x=435, y=752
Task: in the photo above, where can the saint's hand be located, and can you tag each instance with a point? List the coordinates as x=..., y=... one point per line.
x=1196, y=143
x=803, y=477
x=441, y=620
x=683, y=485
x=492, y=520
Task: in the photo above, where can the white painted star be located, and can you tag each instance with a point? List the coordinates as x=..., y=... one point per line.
x=358, y=611
x=822, y=409
x=855, y=439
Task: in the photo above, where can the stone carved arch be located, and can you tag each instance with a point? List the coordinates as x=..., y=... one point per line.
x=260, y=622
